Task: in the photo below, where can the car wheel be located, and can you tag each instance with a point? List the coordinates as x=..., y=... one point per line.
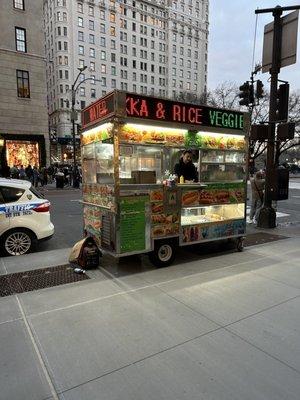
x=17, y=242
x=163, y=254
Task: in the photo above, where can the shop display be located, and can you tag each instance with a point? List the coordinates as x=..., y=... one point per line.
x=205, y=214
x=24, y=153
x=152, y=135
x=101, y=133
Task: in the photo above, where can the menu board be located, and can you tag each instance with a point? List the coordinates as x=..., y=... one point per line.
x=219, y=193
x=133, y=223
x=197, y=233
x=101, y=195
x=222, y=193
x=164, y=213
x=92, y=217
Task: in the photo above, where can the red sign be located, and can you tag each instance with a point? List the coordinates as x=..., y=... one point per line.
x=157, y=109
x=99, y=110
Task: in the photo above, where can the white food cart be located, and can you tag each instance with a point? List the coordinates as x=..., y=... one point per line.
x=129, y=143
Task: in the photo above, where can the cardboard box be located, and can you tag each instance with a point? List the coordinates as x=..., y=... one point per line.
x=144, y=176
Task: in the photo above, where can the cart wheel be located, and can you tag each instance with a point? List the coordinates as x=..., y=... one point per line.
x=163, y=253
x=240, y=244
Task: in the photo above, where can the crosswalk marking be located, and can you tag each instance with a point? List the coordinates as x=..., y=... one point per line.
x=278, y=214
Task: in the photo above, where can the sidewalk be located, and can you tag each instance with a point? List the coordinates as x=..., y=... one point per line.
x=222, y=326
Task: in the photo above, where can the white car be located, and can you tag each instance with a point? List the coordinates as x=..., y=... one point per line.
x=24, y=217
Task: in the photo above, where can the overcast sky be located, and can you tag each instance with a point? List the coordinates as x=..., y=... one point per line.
x=231, y=38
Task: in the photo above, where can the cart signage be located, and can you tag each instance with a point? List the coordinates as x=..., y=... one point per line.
x=133, y=223
x=170, y=111
x=99, y=110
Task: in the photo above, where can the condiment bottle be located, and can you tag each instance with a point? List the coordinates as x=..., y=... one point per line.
x=181, y=179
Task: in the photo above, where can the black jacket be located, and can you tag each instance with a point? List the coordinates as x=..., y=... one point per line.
x=189, y=171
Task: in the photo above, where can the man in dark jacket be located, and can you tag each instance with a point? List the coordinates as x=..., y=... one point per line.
x=186, y=168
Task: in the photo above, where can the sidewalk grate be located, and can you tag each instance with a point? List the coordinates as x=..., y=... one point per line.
x=253, y=239
x=27, y=281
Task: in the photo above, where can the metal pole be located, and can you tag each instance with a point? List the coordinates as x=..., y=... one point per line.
x=267, y=215
x=73, y=126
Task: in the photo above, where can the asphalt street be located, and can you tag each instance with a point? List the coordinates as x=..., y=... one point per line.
x=66, y=214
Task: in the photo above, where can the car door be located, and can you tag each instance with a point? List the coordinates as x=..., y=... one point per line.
x=4, y=215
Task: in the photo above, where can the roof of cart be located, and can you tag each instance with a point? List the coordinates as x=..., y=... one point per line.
x=128, y=106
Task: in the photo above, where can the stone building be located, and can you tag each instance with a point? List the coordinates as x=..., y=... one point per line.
x=24, y=133
x=153, y=47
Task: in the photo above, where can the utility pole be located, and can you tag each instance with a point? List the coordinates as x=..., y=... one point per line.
x=73, y=112
x=267, y=214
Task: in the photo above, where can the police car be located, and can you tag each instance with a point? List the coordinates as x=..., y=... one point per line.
x=24, y=217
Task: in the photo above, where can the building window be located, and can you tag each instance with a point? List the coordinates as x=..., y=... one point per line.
x=93, y=81
x=92, y=39
x=92, y=53
x=21, y=40
x=80, y=22
x=80, y=36
x=81, y=50
x=91, y=25
x=113, y=83
x=103, y=68
x=102, y=42
x=23, y=84
x=93, y=93
x=80, y=7
x=112, y=17
x=92, y=66
x=82, y=91
x=19, y=4
x=91, y=11
x=103, y=55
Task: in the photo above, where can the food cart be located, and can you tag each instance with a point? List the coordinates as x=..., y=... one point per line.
x=130, y=145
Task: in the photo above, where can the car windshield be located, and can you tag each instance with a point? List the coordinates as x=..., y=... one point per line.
x=38, y=194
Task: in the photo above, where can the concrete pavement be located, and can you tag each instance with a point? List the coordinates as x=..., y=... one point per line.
x=224, y=326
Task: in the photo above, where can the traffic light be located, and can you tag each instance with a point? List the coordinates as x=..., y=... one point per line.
x=259, y=89
x=246, y=94
x=282, y=109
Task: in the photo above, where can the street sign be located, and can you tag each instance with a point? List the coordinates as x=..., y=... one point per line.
x=288, y=44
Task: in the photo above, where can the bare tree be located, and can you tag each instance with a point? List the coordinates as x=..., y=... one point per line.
x=226, y=95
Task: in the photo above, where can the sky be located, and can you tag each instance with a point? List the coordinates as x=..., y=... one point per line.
x=231, y=40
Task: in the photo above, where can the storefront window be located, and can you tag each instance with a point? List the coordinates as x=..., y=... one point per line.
x=24, y=153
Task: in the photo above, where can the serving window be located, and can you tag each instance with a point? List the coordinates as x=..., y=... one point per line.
x=140, y=164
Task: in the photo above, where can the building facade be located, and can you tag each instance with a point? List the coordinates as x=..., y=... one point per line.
x=156, y=47
x=24, y=133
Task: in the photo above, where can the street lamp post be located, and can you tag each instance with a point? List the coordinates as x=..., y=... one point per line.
x=73, y=117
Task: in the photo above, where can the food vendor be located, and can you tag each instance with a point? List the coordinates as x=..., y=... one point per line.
x=185, y=168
